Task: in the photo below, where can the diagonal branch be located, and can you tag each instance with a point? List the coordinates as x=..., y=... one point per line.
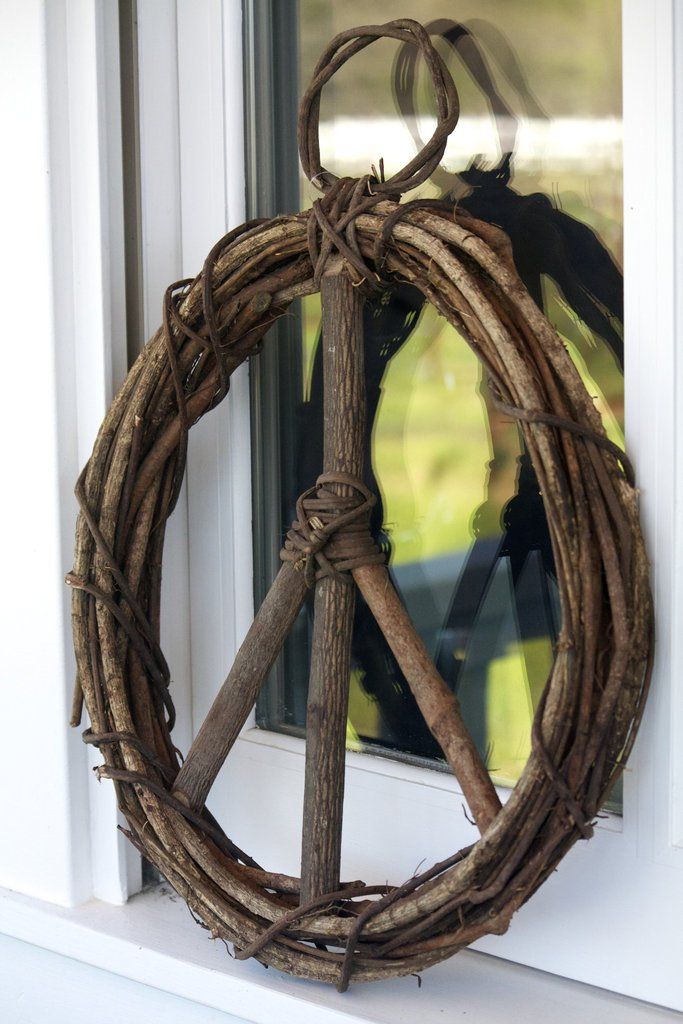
x=237, y=696
x=439, y=705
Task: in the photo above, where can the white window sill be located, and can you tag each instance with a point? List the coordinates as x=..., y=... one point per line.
x=292, y=749
x=153, y=940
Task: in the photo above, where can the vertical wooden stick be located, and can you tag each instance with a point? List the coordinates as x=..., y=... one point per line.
x=328, y=689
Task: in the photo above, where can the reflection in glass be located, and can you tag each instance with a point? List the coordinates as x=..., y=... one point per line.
x=538, y=152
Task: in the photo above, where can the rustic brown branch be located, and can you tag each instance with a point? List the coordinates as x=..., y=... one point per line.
x=439, y=706
x=235, y=699
x=328, y=687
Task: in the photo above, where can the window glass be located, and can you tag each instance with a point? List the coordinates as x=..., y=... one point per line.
x=537, y=151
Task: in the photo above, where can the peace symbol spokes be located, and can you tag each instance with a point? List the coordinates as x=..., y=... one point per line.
x=344, y=437
x=329, y=545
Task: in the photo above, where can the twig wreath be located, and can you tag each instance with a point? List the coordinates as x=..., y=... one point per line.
x=356, y=237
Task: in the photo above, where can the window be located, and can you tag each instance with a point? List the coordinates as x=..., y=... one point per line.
x=538, y=151
x=397, y=814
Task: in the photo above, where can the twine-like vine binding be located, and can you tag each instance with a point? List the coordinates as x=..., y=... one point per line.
x=331, y=533
x=586, y=721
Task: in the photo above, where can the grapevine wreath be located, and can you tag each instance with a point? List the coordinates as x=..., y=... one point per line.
x=357, y=237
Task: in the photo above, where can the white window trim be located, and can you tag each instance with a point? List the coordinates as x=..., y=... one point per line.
x=62, y=209
x=69, y=127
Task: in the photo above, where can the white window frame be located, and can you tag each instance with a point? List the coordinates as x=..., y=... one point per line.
x=64, y=63
x=397, y=814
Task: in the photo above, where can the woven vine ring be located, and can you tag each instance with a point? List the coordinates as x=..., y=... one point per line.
x=358, y=237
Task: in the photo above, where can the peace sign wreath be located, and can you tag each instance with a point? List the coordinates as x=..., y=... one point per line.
x=356, y=237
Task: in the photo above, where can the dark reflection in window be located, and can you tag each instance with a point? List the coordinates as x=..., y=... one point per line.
x=460, y=515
